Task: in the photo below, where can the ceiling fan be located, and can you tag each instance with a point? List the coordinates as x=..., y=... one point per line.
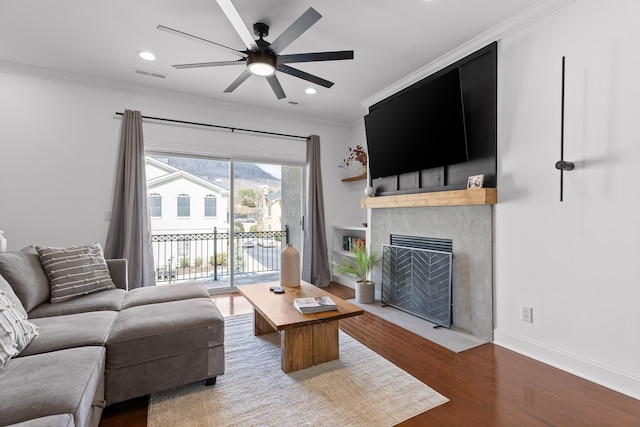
x=262, y=58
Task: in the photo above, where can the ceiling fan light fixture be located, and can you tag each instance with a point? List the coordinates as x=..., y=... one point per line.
x=262, y=69
x=261, y=64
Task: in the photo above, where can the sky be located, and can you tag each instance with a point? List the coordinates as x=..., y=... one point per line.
x=275, y=170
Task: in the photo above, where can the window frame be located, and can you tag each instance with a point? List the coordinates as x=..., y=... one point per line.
x=207, y=200
x=155, y=205
x=180, y=212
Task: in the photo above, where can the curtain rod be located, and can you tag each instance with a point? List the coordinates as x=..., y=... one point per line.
x=232, y=129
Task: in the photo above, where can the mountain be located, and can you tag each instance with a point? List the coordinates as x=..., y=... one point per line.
x=217, y=171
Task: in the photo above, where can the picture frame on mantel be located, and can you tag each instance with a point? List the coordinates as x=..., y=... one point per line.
x=475, y=181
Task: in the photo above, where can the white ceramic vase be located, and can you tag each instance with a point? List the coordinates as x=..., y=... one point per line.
x=290, y=267
x=365, y=292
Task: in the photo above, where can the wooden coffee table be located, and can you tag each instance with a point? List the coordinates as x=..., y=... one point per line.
x=306, y=339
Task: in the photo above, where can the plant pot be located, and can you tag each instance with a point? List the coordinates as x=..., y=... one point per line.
x=365, y=292
x=362, y=171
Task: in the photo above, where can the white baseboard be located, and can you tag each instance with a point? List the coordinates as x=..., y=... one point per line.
x=606, y=376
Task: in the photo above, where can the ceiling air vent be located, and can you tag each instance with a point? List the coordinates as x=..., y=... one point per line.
x=149, y=73
x=297, y=103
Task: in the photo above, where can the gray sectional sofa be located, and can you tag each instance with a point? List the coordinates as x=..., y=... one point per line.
x=104, y=347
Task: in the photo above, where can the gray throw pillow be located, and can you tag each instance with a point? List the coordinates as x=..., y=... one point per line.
x=24, y=272
x=6, y=288
x=75, y=271
x=15, y=331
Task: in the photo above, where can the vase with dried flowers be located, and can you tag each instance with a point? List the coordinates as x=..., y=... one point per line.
x=359, y=155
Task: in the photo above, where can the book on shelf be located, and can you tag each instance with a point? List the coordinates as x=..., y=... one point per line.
x=314, y=304
x=350, y=242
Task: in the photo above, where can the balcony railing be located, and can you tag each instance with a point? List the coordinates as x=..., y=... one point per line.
x=180, y=257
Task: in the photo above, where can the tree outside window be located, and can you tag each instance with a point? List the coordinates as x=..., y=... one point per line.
x=210, y=206
x=155, y=205
x=184, y=205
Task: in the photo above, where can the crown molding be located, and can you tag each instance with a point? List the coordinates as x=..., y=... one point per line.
x=513, y=24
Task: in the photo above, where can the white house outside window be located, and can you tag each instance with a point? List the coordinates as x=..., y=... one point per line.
x=155, y=205
x=184, y=205
x=210, y=208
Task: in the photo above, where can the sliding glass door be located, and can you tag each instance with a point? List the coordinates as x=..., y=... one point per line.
x=220, y=222
x=267, y=215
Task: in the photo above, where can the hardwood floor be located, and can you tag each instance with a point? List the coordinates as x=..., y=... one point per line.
x=486, y=386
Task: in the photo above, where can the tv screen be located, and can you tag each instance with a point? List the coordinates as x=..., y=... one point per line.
x=422, y=128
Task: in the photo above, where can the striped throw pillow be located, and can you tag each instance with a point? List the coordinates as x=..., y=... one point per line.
x=75, y=271
x=15, y=331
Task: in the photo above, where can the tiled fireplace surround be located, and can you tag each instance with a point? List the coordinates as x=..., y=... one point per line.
x=471, y=229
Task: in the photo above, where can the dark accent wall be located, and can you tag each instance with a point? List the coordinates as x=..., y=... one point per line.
x=478, y=73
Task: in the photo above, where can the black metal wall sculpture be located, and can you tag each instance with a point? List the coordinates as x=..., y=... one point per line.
x=561, y=164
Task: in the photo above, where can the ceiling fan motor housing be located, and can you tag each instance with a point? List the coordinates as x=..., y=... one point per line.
x=261, y=29
x=264, y=57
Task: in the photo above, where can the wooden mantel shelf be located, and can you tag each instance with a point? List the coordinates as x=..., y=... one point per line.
x=475, y=196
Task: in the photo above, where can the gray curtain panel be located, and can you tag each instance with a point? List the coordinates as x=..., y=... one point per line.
x=315, y=261
x=130, y=228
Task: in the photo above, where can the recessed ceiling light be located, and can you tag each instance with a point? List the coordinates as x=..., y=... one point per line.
x=146, y=55
x=311, y=91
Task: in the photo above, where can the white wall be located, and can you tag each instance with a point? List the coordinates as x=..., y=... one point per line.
x=59, y=139
x=355, y=189
x=576, y=262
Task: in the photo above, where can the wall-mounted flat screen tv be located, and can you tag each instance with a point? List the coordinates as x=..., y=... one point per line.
x=422, y=128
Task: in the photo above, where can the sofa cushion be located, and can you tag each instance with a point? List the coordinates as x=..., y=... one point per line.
x=110, y=300
x=59, y=382
x=26, y=276
x=164, y=293
x=75, y=271
x=15, y=331
x=6, y=287
x=73, y=330
x=118, y=269
x=155, y=331
x=60, y=420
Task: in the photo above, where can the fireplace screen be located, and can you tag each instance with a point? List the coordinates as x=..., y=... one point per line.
x=418, y=281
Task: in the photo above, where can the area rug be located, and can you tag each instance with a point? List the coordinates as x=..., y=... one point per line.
x=360, y=389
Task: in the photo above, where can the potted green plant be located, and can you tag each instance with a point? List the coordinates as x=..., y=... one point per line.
x=360, y=265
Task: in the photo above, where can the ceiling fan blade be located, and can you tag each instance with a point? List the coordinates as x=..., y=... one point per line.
x=316, y=56
x=304, y=76
x=237, y=82
x=275, y=85
x=294, y=31
x=200, y=39
x=238, y=24
x=209, y=64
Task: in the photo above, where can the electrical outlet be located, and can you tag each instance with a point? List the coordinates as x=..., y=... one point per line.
x=107, y=215
x=526, y=314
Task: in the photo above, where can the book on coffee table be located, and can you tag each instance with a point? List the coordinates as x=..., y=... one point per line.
x=314, y=305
